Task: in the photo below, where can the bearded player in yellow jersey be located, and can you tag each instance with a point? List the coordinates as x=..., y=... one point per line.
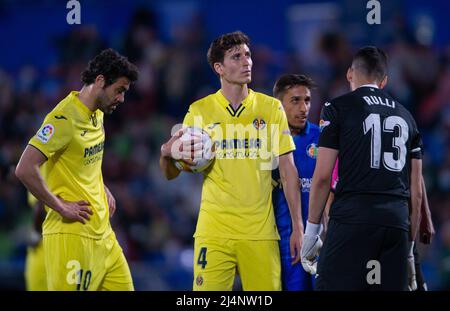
x=81, y=250
x=236, y=229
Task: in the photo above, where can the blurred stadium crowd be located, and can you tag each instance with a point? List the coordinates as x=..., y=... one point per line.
x=155, y=219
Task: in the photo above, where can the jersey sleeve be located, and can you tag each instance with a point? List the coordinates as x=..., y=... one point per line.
x=329, y=126
x=54, y=135
x=285, y=141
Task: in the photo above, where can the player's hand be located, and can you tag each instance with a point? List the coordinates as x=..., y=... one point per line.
x=185, y=150
x=111, y=202
x=166, y=148
x=311, y=247
x=426, y=228
x=296, y=245
x=190, y=148
x=412, y=282
x=75, y=211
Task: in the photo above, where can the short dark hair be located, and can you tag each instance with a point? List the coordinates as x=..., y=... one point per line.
x=220, y=45
x=111, y=65
x=287, y=81
x=371, y=62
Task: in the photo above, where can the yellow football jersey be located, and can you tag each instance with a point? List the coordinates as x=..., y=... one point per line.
x=72, y=138
x=237, y=191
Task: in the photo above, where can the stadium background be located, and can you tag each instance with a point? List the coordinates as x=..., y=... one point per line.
x=41, y=58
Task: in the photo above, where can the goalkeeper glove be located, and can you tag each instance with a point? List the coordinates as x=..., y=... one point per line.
x=311, y=246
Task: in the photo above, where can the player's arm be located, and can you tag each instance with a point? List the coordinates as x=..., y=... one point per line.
x=326, y=211
x=38, y=218
x=176, y=149
x=416, y=195
x=291, y=187
x=426, y=229
x=320, y=188
x=27, y=171
x=111, y=201
x=166, y=161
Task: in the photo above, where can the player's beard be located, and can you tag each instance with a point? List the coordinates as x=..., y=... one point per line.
x=296, y=129
x=104, y=103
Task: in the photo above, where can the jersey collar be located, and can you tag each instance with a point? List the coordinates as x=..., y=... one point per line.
x=82, y=107
x=227, y=105
x=370, y=85
x=306, y=130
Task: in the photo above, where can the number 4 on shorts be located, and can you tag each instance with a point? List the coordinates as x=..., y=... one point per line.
x=202, y=257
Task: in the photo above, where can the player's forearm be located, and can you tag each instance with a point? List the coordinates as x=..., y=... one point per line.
x=326, y=211
x=291, y=187
x=416, y=196
x=320, y=189
x=426, y=214
x=30, y=176
x=168, y=168
x=38, y=216
x=330, y=200
x=416, y=200
x=106, y=189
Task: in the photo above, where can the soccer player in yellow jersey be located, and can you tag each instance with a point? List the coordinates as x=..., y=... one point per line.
x=236, y=230
x=81, y=250
x=35, y=276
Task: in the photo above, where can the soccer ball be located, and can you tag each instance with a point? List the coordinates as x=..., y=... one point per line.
x=202, y=162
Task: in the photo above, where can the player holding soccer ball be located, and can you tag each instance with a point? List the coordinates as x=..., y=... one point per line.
x=236, y=228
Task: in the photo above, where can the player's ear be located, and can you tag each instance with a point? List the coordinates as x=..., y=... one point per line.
x=218, y=68
x=383, y=82
x=100, y=81
x=349, y=74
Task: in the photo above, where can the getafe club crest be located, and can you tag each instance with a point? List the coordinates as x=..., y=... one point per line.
x=311, y=151
x=259, y=123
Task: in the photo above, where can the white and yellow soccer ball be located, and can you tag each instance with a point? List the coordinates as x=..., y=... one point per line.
x=202, y=160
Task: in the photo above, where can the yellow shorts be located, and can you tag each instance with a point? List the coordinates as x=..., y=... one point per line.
x=217, y=260
x=76, y=263
x=35, y=277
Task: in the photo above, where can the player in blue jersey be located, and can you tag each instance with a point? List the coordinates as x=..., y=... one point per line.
x=294, y=91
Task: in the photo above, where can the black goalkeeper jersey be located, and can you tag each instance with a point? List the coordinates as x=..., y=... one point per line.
x=376, y=138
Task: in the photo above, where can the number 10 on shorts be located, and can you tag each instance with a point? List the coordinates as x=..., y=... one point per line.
x=77, y=276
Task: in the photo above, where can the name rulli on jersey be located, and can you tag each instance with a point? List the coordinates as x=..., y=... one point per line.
x=377, y=100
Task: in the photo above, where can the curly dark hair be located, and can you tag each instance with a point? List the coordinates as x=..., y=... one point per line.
x=288, y=81
x=220, y=45
x=111, y=65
